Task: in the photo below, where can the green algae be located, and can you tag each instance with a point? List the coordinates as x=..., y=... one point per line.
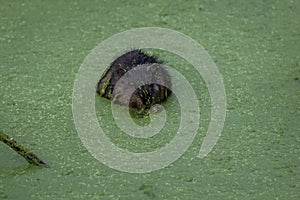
x=256, y=48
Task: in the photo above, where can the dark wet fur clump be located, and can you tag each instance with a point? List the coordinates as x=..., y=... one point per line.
x=147, y=69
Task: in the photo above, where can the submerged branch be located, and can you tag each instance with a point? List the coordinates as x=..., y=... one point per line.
x=29, y=156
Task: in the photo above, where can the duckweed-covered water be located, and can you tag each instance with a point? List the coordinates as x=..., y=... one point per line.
x=256, y=48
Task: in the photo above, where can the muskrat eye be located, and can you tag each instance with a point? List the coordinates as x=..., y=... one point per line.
x=155, y=88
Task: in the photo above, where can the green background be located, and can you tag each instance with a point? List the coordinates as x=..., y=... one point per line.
x=255, y=45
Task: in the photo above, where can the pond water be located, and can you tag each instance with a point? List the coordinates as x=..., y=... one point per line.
x=255, y=46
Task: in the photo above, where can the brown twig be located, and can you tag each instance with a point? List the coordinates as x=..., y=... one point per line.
x=29, y=156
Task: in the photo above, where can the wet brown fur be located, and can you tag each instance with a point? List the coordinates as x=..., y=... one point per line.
x=144, y=96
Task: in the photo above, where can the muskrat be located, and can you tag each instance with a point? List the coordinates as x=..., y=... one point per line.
x=146, y=68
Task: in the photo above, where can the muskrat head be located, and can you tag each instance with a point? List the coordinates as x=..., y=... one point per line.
x=146, y=96
x=137, y=80
x=143, y=87
x=145, y=99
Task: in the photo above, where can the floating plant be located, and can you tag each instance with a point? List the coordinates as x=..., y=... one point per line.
x=29, y=156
